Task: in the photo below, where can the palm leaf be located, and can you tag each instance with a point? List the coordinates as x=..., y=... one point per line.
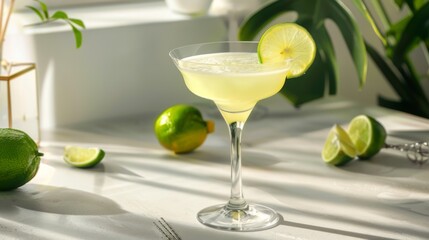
x=389, y=73
x=326, y=48
x=348, y=27
x=416, y=29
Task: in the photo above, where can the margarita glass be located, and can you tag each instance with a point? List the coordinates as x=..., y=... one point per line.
x=230, y=74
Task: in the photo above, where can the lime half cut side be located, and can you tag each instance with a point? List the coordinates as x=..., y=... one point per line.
x=287, y=43
x=83, y=157
x=367, y=134
x=338, y=149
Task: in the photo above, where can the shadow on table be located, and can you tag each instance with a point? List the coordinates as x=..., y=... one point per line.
x=59, y=200
x=410, y=135
x=386, y=163
x=250, y=158
x=45, y=212
x=333, y=231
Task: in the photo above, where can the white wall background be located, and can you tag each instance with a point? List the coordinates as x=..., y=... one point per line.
x=123, y=67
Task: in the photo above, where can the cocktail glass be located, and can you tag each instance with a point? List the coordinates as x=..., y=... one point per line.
x=229, y=74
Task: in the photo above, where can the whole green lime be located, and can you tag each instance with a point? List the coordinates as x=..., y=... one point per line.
x=19, y=158
x=182, y=129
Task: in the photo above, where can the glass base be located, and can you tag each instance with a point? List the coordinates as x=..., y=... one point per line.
x=253, y=218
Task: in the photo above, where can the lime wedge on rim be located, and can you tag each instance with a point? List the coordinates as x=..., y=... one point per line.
x=367, y=134
x=289, y=43
x=338, y=149
x=83, y=157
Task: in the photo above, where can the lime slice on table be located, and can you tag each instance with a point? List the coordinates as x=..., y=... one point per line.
x=368, y=135
x=83, y=157
x=289, y=43
x=338, y=149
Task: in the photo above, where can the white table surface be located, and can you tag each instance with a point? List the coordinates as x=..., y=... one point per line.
x=138, y=181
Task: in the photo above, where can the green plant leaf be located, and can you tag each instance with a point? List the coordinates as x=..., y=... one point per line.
x=256, y=22
x=365, y=12
x=38, y=13
x=392, y=104
x=307, y=87
x=351, y=34
x=417, y=29
x=44, y=9
x=400, y=3
x=59, y=15
x=327, y=52
x=414, y=5
x=397, y=29
x=77, y=35
x=420, y=3
x=78, y=22
x=395, y=81
x=401, y=106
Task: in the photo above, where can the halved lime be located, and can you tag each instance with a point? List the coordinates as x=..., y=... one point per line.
x=338, y=149
x=289, y=43
x=83, y=157
x=367, y=134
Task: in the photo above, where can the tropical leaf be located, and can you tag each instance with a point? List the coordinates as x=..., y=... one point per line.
x=389, y=73
x=400, y=3
x=361, y=6
x=416, y=29
x=352, y=36
x=412, y=100
x=394, y=104
x=326, y=49
x=397, y=29
x=415, y=4
x=420, y=3
x=312, y=15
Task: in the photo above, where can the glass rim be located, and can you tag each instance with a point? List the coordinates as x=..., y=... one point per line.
x=268, y=65
x=211, y=43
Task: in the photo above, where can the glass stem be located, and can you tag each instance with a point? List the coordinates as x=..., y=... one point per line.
x=236, y=201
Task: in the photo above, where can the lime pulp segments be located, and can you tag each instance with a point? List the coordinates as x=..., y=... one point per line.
x=83, y=157
x=338, y=149
x=287, y=43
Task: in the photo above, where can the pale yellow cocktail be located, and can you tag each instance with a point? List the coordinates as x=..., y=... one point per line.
x=235, y=81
